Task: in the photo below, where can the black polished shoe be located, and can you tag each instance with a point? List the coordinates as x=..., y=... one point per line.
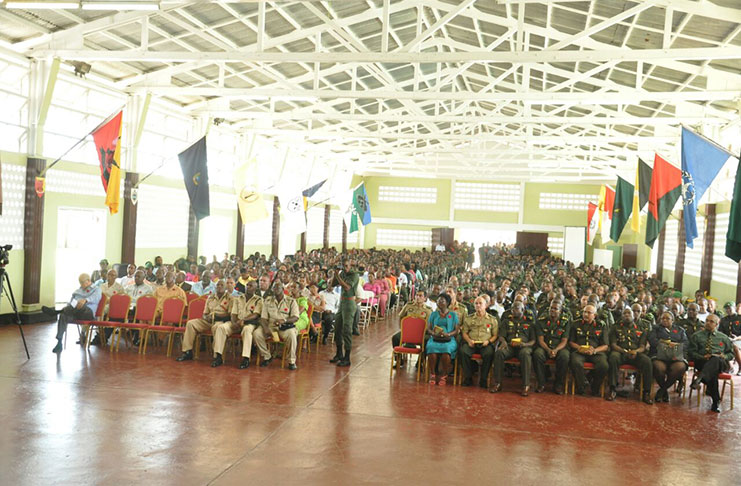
x=659, y=394
x=335, y=359
x=344, y=362
x=495, y=388
x=186, y=356
x=540, y=389
x=612, y=395
x=292, y=366
x=647, y=398
x=58, y=348
x=265, y=362
x=137, y=341
x=218, y=361
x=355, y=333
x=695, y=382
x=714, y=407
x=244, y=364
x=96, y=340
x=51, y=311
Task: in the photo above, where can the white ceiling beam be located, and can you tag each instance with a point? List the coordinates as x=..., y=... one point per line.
x=600, y=26
x=504, y=57
x=436, y=26
x=626, y=97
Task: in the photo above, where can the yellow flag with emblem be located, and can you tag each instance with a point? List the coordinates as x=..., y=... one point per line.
x=249, y=200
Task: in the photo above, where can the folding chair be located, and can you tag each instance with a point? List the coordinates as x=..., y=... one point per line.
x=99, y=312
x=170, y=319
x=118, y=312
x=146, y=306
x=412, y=332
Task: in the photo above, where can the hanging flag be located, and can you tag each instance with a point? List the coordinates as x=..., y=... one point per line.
x=292, y=209
x=624, y=192
x=249, y=200
x=107, y=139
x=606, y=203
x=701, y=161
x=194, y=163
x=666, y=187
x=644, y=183
x=592, y=222
x=307, y=193
x=733, y=236
x=360, y=208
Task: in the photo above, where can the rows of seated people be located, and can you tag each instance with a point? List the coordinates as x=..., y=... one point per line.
x=528, y=311
x=242, y=297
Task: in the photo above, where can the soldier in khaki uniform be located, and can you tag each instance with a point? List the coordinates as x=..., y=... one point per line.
x=245, y=312
x=480, y=332
x=413, y=309
x=217, y=310
x=280, y=313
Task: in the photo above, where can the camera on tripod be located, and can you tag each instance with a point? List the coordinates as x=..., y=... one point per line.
x=4, y=255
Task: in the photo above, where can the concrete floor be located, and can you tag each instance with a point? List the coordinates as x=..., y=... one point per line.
x=120, y=418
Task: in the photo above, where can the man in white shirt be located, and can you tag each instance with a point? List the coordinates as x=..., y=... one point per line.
x=128, y=279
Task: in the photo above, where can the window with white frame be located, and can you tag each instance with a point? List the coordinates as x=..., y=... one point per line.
x=671, y=244
x=78, y=107
x=315, y=226
x=404, y=238
x=725, y=270
x=13, y=99
x=162, y=217
x=14, y=203
x=260, y=233
x=555, y=245
x=693, y=256
x=404, y=194
x=223, y=147
x=217, y=233
x=166, y=133
x=487, y=197
x=564, y=201
x=222, y=200
x=335, y=227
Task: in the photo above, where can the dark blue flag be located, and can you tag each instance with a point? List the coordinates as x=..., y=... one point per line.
x=194, y=163
x=701, y=162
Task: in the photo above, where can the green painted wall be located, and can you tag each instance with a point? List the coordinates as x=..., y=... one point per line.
x=379, y=209
x=535, y=215
x=14, y=269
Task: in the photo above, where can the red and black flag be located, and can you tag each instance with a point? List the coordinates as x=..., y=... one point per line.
x=666, y=187
x=107, y=138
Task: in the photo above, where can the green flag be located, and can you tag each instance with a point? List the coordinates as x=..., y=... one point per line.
x=733, y=237
x=360, y=208
x=622, y=208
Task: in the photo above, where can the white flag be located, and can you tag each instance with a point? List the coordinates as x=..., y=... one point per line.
x=292, y=209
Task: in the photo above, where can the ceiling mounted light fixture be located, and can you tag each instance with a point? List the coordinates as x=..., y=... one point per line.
x=41, y=5
x=101, y=5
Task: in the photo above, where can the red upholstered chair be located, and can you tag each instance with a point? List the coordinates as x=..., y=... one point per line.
x=170, y=319
x=412, y=333
x=146, y=306
x=587, y=366
x=726, y=378
x=118, y=311
x=99, y=311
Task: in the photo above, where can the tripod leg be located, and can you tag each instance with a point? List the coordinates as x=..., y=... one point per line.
x=11, y=299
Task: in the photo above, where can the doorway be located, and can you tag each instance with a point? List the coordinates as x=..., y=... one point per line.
x=81, y=235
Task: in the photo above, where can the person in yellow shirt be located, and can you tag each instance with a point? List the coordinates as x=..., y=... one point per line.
x=168, y=291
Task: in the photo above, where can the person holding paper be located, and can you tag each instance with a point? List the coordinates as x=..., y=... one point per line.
x=82, y=306
x=628, y=346
x=516, y=340
x=441, y=346
x=669, y=347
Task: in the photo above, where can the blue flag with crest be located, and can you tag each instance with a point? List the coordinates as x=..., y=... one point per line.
x=702, y=160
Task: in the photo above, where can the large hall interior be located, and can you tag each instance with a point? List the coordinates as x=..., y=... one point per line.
x=370, y=241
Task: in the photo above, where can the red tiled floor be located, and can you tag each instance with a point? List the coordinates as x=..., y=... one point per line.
x=119, y=418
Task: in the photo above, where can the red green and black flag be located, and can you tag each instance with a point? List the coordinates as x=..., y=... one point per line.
x=194, y=162
x=666, y=187
x=622, y=208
